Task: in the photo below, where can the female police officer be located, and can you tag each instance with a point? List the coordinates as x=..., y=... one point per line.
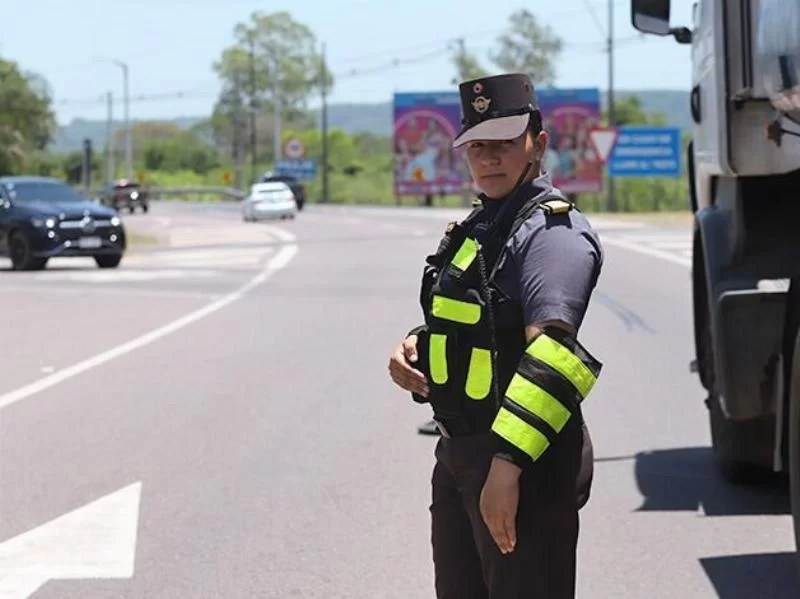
x=499, y=362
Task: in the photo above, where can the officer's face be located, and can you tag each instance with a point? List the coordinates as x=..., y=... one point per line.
x=496, y=165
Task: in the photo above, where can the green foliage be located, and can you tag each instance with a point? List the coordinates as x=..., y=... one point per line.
x=269, y=49
x=526, y=47
x=27, y=122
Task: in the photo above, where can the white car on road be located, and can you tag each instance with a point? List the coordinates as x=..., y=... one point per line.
x=270, y=200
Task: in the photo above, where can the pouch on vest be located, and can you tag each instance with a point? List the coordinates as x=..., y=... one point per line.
x=586, y=473
x=437, y=354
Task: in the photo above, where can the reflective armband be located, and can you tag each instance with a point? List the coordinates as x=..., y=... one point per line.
x=551, y=381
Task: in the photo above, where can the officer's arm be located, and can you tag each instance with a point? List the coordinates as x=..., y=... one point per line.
x=557, y=269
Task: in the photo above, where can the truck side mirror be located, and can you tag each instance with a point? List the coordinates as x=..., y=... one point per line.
x=651, y=16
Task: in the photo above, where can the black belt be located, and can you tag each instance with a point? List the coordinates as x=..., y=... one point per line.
x=454, y=427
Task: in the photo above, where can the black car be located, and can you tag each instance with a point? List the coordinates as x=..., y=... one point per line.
x=125, y=194
x=297, y=187
x=43, y=218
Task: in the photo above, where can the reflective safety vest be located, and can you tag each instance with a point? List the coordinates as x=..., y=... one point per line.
x=473, y=348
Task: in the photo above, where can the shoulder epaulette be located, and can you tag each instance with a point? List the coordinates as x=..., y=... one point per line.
x=557, y=206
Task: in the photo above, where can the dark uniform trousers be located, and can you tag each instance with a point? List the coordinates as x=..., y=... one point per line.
x=467, y=562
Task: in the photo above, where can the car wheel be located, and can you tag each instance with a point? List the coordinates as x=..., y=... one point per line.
x=108, y=261
x=21, y=254
x=145, y=208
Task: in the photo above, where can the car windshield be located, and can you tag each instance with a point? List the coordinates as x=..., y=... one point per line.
x=43, y=191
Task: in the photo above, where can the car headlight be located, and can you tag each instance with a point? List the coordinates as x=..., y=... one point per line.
x=40, y=223
x=134, y=195
x=115, y=221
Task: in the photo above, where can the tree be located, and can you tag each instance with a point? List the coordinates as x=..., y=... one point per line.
x=27, y=123
x=528, y=48
x=275, y=58
x=466, y=64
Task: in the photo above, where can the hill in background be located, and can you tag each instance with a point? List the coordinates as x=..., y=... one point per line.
x=377, y=118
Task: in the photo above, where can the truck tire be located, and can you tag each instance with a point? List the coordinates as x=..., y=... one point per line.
x=743, y=449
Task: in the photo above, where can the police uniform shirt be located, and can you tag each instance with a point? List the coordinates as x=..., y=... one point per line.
x=551, y=264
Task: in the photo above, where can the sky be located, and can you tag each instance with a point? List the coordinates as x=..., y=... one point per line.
x=374, y=47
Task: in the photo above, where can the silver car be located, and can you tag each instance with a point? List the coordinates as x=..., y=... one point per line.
x=268, y=201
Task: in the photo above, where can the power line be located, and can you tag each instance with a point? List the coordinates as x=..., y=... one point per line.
x=203, y=92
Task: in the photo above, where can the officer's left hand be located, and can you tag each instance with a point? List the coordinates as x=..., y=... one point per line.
x=498, y=503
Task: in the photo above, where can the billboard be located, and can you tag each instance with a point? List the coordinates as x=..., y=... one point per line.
x=568, y=115
x=425, y=125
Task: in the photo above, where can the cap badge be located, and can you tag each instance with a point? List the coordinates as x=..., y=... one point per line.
x=481, y=104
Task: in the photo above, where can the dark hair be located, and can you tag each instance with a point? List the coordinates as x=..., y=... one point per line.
x=535, y=123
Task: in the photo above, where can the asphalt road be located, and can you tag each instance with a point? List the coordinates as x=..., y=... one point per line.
x=215, y=419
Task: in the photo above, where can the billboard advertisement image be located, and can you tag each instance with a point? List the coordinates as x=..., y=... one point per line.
x=568, y=115
x=425, y=125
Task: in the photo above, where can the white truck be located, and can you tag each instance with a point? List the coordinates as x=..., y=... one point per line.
x=743, y=168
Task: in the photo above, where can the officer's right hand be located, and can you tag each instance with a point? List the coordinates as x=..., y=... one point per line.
x=401, y=371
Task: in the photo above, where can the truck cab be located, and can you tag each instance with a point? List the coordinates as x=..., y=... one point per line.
x=743, y=185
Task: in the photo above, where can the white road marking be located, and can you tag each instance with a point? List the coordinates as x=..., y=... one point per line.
x=125, y=275
x=97, y=540
x=647, y=251
x=280, y=260
x=125, y=291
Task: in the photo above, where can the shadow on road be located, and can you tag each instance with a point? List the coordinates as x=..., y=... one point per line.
x=687, y=479
x=773, y=575
x=629, y=318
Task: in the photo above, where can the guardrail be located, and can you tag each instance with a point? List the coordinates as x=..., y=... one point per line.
x=230, y=193
x=157, y=192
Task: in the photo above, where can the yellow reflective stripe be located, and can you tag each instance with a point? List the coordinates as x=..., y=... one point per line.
x=455, y=310
x=558, y=357
x=479, y=375
x=538, y=402
x=519, y=433
x=437, y=356
x=465, y=254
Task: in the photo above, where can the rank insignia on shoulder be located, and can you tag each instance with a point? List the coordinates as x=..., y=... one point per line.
x=450, y=226
x=557, y=206
x=476, y=202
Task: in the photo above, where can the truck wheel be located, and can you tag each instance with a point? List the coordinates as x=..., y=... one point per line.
x=742, y=448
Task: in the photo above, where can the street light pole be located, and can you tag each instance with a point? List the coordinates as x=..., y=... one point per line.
x=612, y=120
x=128, y=133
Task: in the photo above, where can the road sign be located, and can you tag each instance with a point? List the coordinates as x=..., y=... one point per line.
x=294, y=149
x=302, y=169
x=646, y=152
x=603, y=139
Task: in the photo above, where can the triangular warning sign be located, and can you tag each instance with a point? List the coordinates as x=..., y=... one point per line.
x=603, y=139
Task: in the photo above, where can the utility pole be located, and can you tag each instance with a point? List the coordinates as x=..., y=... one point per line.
x=612, y=196
x=253, y=104
x=110, y=169
x=324, y=197
x=276, y=90
x=128, y=133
